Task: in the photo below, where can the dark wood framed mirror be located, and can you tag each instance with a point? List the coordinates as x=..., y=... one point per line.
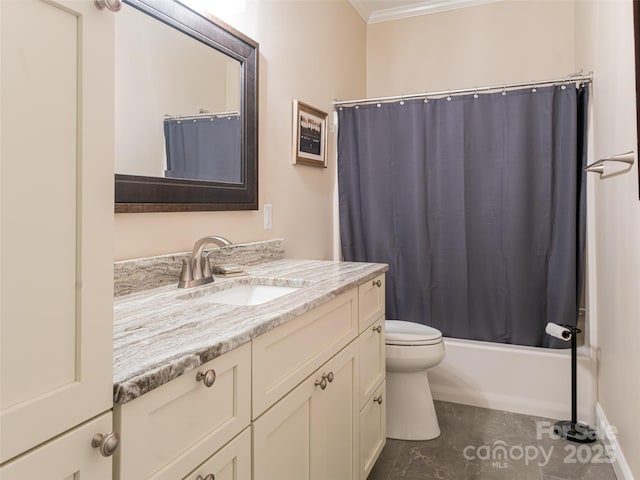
x=222, y=65
x=636, y=31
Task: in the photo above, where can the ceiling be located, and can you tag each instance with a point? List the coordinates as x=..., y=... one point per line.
x=376, y=11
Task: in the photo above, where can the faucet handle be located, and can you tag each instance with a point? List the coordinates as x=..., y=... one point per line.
x=206, y=266
x=186, y=275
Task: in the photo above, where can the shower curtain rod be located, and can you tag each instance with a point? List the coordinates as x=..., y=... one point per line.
x=575, y=77
x=202, y=115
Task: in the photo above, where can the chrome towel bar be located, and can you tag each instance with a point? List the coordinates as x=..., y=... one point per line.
x=598, y=166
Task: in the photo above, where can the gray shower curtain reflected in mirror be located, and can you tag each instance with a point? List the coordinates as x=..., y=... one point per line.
x=207, y=148
x=477, y=205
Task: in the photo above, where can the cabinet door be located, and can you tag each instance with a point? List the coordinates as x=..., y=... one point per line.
x=372, y=360
x=282, y=437
x=312, y=433
x=69, y=456
x=169, y=431
x=335, y=420
x=232, y=462
x=56, y=202
x=373, y=430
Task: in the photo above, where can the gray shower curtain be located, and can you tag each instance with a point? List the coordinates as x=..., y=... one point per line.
x=476, y=204
x=204, y=149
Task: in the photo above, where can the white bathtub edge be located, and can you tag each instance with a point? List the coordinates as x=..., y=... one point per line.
x=500, y=402
x=525, y=380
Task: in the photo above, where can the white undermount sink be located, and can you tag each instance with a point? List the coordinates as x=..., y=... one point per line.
x=248, y=294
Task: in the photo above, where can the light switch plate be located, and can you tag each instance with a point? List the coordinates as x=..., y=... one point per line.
x=268, y=216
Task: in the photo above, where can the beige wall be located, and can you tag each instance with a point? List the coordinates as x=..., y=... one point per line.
x=604, y=44
x=312, y=51
x=490, y=44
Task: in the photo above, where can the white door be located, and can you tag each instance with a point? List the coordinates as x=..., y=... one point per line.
x=68, y=457
x=56, y=217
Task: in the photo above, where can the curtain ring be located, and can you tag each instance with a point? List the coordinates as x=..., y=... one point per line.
x=475, y=95
x=504, y=90
x=449, y=96
x=401, y=100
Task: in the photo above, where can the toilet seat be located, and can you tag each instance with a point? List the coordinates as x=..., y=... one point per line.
x=399, y=332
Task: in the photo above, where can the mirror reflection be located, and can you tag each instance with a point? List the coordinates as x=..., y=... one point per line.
x=178, y=104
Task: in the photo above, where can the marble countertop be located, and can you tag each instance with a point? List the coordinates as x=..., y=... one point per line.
x=160, y=334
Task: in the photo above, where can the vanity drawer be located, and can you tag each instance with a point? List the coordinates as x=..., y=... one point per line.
x=371, y=301
x=232, y=462
x=285, y=356
x=167, y=432
x=373, y=430
x=372, y=359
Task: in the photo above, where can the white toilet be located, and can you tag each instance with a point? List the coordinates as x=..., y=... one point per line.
x=411, y=348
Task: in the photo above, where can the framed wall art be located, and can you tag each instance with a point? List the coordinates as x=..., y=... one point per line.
x=309, y=135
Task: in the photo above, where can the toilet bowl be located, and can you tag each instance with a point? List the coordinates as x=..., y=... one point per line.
x=411, y=348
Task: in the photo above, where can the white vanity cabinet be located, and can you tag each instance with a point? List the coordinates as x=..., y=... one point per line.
x=312, y=433
x=303, y=401
x=332, y=424
x=57, y=237
x=373, y=431
x=169, y=431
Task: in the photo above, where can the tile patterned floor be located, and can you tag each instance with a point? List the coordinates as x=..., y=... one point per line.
x=470, y=447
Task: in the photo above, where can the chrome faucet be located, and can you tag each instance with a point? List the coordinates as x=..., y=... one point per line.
x=197, y=270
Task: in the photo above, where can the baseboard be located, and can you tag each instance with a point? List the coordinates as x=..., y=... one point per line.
x=505, y=403
x=620, y=466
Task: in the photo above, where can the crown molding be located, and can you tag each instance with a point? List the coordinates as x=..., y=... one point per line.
x=412, y=10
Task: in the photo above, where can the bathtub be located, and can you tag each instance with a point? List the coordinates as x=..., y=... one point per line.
x=528, y=380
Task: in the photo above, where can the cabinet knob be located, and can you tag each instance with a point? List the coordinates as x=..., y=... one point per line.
x=329, y=376
x=107, y=444
x=378, y=400
x=378, y=329
x=321, y=383
x=113, y=5
x=377, y=283
x=208, y=377
x=211, y=476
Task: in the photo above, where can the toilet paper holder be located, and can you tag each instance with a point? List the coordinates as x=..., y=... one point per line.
x=571, y=430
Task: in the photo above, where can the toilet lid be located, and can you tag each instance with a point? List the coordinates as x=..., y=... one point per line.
x=399, y=332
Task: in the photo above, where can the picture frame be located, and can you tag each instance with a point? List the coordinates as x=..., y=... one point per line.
x=309, y=135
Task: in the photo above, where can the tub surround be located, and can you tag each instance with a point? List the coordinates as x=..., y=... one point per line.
x=159, y=334
x=140, y=274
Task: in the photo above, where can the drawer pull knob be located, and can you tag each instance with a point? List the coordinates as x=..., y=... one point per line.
x=322, y=383
x=378, y=329
x=329, y=376
x=211, y=476
x=378, y=400
x=377, y=283
x=208, y=378
x=107, y=444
